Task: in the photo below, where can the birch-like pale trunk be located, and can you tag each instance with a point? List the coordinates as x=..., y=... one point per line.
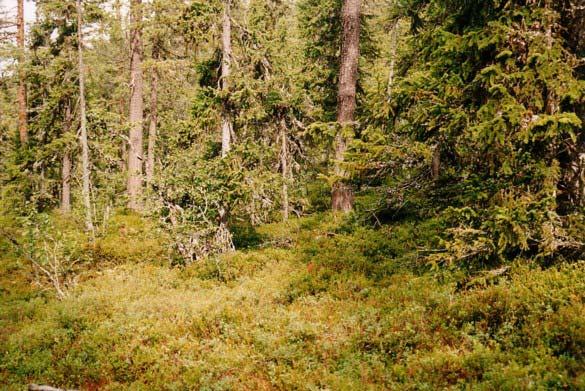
x=226, y=43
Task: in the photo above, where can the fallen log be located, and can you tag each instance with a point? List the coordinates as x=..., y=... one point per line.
x=37, y=387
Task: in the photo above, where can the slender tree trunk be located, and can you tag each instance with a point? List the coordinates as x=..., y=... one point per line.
x=153, y=119
x=552, y=101
x=226, y=42
x=285, y=169
x=436, y=162
x=342, y=194
x=123, y=152
x=135, y=154
x=393, y=45
x=22, y=117
x=66, y=167
x=83, y=124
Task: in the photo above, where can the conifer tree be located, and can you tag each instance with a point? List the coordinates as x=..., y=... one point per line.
x=136, y=118
x=85, y=164
x=66, y=164
x=342, y=194
x=22, y=104
x=153, y=121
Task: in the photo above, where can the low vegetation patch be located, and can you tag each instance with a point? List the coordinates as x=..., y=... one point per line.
x=333, y=310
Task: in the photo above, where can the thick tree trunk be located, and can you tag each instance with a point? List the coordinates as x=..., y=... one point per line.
x=153, y=120
x=135, y=154
x=226, y=42
x=285, y=169
x=22, y=117
x=66, y=167
x=83, y=124
x=342, y=194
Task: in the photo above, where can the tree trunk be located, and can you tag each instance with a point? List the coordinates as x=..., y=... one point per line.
x=342, y=194
x=83, y=124
x=22, y=117
x=552, y=104
x=226, y=42
x=153, y=119
x=223, y=234
x=135, y=154
x=285, y=169
x=436, y=162
x=571, y=21
x=393, y=46
x=66, y=167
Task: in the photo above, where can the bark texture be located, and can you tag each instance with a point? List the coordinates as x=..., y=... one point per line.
x=83, y=124
x=226, y=42
x=22, y=116
x=285, y=170
x=393, y=47
x=342, y=194
x=436, y=163
x=572, y=29
x=66, y=167
x=135, y=153
x=152, y=130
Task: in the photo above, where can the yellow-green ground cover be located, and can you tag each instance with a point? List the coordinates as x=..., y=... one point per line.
x=313, y=307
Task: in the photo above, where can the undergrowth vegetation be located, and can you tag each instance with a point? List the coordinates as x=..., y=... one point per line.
x=314, y=303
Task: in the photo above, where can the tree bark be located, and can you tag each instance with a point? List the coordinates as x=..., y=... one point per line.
x=135, y=154
x=436, y=162
x=66, y=166
x=571, y=27
x=22, y=116
x=552, y=104
x=393, y=47
x=36, y=387
x=342, y=194
x=153, y=119
x=83, y=124
x=285, y=169
x=226, y=42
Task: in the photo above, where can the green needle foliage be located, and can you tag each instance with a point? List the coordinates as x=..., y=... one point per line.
x=494, y=88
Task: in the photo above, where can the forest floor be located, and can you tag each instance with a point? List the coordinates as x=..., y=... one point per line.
x=312, y=305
